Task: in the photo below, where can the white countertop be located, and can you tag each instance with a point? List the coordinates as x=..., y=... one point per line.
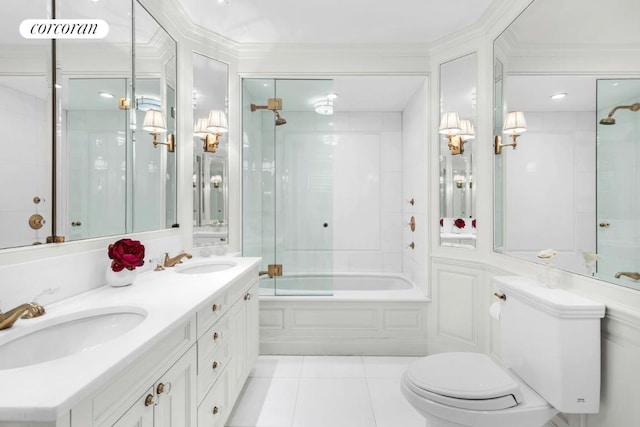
x=44, y=391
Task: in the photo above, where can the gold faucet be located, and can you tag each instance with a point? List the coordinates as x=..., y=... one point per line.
x=25, y=311
x=171, y=262
x=634, y=276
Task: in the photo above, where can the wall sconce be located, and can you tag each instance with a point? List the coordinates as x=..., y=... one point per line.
x=154, y=123
x=450, y=126
x=210, y=144
x=514, y=125
x=215, y=126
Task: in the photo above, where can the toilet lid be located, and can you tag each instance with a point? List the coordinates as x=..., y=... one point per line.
x=464, y=380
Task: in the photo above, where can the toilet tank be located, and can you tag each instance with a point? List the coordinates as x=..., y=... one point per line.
x=551, y=339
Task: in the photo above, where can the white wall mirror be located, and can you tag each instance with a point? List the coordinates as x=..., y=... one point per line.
x=210, y=151
x=101, y=170
x=457, y=151
x=570, y=185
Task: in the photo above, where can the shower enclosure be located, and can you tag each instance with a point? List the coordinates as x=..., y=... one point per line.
x=618, y=174
x=288, y=188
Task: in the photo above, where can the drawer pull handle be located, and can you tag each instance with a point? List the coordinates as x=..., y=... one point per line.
x=148, y=401
x=247, y=296
x=216, y=336
x=163, y=388
x=215, y=410
x=215, y=307
x=215, y=365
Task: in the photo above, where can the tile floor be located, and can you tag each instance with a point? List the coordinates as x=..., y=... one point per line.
x=325, y=391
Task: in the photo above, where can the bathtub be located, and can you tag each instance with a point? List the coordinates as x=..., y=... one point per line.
x=366, y=314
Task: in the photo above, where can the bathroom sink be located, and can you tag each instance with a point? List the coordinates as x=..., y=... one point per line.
x=65, y=336
x=204, y=268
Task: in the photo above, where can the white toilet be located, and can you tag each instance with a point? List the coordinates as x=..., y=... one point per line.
x=551, y=352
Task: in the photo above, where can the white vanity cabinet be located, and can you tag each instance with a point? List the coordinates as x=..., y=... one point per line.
x=227, y=352
x=193, y=376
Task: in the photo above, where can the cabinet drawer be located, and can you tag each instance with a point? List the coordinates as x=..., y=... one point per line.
x=215, y=408
x=216, y=337
x=210, y=368
x=211, y=312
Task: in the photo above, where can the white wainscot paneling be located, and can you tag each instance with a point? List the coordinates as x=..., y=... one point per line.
x=457, y=314
x=318, y=325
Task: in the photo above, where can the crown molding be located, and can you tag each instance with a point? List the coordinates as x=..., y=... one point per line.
x=397, y=50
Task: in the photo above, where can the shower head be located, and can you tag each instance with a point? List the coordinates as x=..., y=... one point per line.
x=279, y=120
x=609, y=120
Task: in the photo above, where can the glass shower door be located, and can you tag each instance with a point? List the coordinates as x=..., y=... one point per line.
x=618, y=199
x=288, y=185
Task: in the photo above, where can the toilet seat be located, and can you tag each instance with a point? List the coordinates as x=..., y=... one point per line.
x=477, y=376
x=464, y=380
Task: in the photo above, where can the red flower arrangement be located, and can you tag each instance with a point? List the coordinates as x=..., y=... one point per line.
x=459, y=223
x=473, y=223
x=126, y=253
x=441, y=222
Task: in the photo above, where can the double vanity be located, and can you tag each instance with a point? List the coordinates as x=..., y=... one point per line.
x=173, y=349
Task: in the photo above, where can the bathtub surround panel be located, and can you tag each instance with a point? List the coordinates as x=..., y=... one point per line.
x=380, y=320
x=347, y=328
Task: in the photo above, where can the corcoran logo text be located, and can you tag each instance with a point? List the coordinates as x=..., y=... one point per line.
x=64, y=28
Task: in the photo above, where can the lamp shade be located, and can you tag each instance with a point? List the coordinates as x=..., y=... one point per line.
x=200, y=128
x=515, y=123
x=466, y=129
x=154, y=122
x=217, y=122
x=450, y=124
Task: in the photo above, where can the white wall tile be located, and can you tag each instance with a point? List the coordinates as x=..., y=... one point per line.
x=365, y=122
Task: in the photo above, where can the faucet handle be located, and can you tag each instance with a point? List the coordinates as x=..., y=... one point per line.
x=34, y=310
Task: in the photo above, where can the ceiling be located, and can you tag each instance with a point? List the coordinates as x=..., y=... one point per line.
x=334, y=21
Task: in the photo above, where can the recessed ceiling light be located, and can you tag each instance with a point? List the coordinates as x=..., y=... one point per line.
x=558, y=95
x=105, y=94
x=615, y=84
x=331, y=96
